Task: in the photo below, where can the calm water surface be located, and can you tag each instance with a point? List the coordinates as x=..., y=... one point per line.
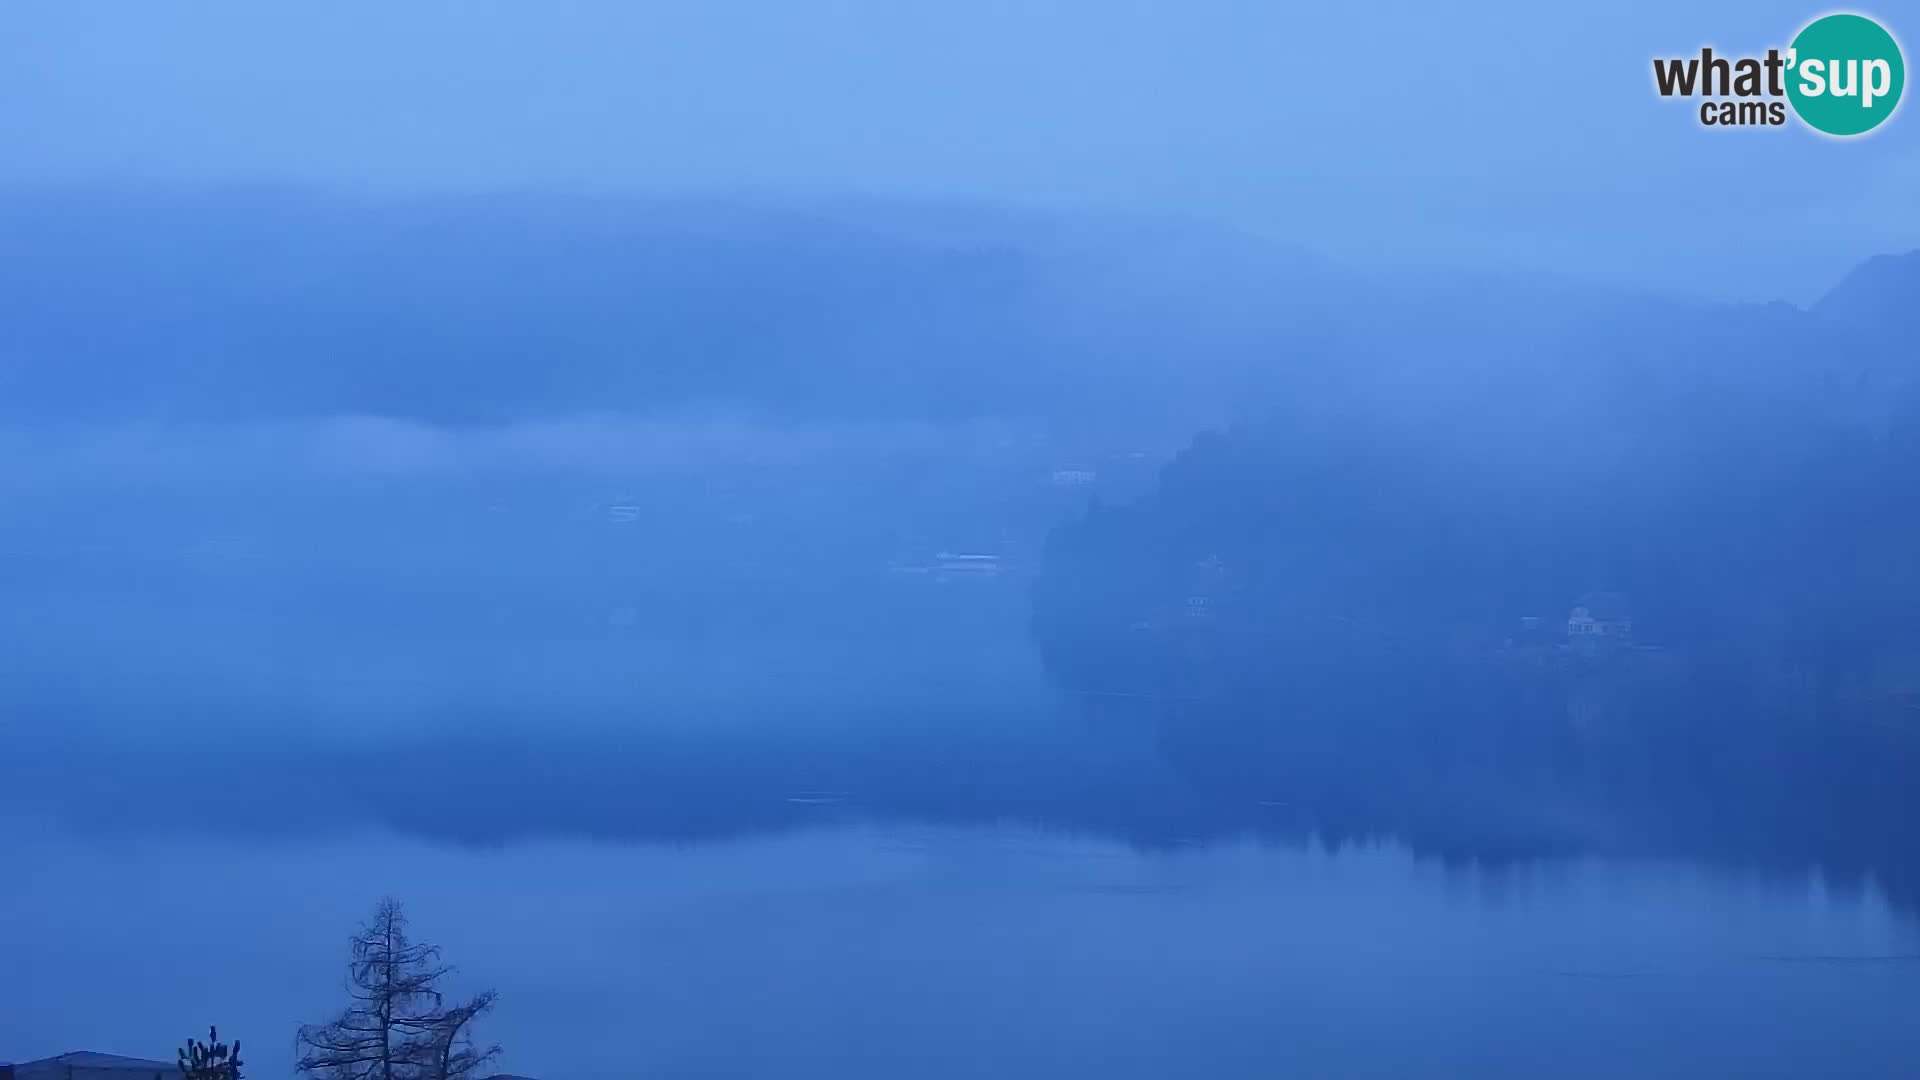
x=735, y=857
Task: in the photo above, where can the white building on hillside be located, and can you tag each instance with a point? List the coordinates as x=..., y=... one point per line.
x=1601, y=615
x=1601, y=620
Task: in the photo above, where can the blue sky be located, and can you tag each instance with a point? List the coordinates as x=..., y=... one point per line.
x=1496, y=135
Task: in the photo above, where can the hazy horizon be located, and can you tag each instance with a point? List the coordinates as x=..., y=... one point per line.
x=1480, y=138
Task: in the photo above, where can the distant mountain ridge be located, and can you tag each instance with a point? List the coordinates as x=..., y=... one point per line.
x=481, y=310
x=1884, y=290
x=262, y=305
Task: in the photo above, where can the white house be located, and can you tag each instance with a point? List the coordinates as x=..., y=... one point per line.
x=1598, y=617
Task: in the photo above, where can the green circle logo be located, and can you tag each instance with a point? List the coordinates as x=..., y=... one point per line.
x=1845, y=74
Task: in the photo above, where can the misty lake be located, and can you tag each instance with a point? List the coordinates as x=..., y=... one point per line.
x=889, y=541
x=727, y=855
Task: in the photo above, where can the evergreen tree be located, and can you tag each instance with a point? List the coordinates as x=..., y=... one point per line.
x=211, y=1060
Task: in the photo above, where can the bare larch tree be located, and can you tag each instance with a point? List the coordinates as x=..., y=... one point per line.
x=398, y=1026
x=457, y=1057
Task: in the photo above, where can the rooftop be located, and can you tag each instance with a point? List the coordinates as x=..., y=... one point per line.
x=93, y=1059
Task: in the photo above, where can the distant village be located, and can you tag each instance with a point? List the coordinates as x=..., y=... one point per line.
x=1594, y=644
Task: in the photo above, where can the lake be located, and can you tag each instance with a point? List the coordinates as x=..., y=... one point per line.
x=891, y=850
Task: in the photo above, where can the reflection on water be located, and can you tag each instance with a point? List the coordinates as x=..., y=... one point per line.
x=899, y=951
x=893, y=853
